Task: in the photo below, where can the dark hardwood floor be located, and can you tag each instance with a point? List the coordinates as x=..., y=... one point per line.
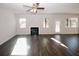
x=42, y=45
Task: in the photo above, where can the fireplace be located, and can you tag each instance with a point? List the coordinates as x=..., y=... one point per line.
x=34, y=31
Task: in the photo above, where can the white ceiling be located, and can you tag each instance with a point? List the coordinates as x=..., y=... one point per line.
x=49, y=7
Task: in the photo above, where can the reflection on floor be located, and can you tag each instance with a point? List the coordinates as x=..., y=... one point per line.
x=42, y=45
x=58, y=42
x=21, y=47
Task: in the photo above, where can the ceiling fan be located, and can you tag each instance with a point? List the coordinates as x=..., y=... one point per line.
x=34, y=8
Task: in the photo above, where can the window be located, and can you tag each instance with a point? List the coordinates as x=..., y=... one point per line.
x=22, y=22
x=57, y=26
x=45, y=23
x=72, y=23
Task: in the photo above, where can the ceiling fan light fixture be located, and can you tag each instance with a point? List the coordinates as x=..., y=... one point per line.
x=33, y=10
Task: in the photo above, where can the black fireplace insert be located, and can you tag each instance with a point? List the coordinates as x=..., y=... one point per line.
x=34, y=31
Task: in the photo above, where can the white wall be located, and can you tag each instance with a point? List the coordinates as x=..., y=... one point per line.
x=37, y=21
x=7, y=25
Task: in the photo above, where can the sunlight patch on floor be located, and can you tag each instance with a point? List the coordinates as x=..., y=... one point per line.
x=57, y=41
x=21, y=47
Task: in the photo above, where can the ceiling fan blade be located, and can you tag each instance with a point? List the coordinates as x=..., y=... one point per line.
x=37, y=4
x=27, y=6
x=28, y=9
x=41, y=8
